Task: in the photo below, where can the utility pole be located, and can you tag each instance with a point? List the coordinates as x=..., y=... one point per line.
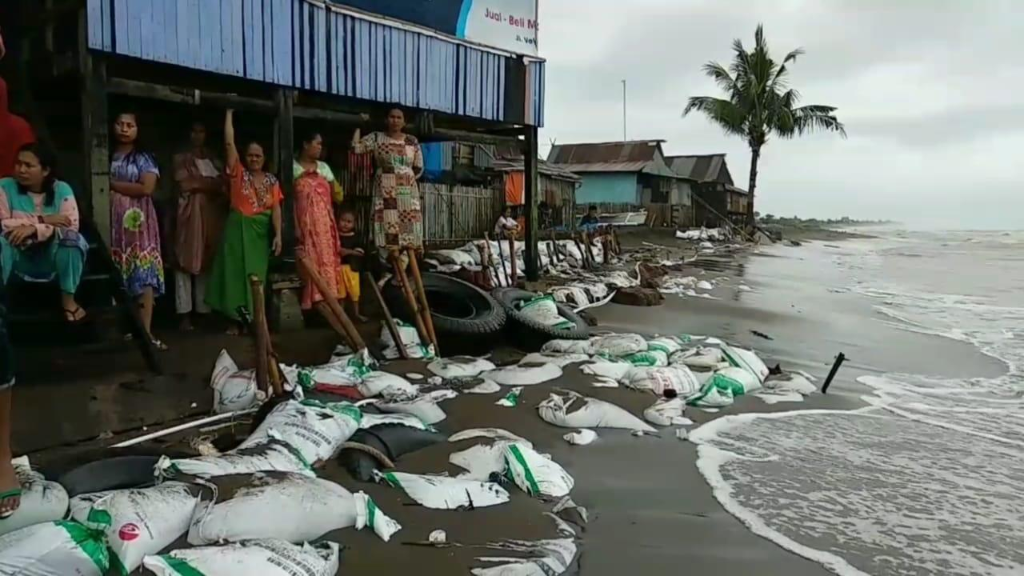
x=623, y=110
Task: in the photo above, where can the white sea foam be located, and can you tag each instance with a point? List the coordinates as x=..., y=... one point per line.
x=926, y=480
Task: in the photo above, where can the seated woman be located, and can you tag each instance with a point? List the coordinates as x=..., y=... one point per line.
x=39, y=217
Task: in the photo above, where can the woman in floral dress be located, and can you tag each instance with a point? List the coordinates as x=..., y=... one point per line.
x=397, y=208
x=135, y=235
x=315, y=227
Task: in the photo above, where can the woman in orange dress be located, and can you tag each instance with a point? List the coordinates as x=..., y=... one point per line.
x=317, y=232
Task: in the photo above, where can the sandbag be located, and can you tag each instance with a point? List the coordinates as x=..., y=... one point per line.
x=535, y=474
x=459, y=366
x=668, y=345
x=737, y=381
x=747, y=360
x=445, y=493
x=699, y=358
x=481, y=461
x=560, y=360
x=580, y=437
x=414, y=348
x=617, y=345
x=544, y=310
x=233, y=389
x=41, y=500
x=385, y=385
x=261, y=557
x=711, y=396
x=138, y=523
x=667, y=412
x=345, y=370
x=651, y=358
x=64, y=548
x=614, y=369
x=288, y=507
x=457, y=257
x=660, y=379
x=568, y=346
x=791, y=382
x=495, y=433
x=392, y=440
x=423, y=407
x=572, y=410
x=372, y=419
x=315, y=429
x=270, y=456
x=526, y=374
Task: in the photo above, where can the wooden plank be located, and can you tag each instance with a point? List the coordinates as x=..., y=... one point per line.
x=224, y=44
x=530, y=195
x=171, y=36
x=266, y=12
x=284, y=135
x=151, y=30
x=193, y=48
x=238, y=49
x=321, y=54
x=283, y=31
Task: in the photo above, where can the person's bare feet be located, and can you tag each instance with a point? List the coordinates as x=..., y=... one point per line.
x=10, y=489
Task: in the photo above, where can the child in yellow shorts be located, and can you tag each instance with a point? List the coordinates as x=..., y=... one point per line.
x=352, y=254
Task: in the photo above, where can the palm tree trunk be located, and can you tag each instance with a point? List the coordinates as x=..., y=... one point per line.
x=755, y=157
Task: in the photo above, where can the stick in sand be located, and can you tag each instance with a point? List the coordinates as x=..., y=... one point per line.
x=264, y=347
x=589, y=247
x=501, y=258
x=410, y=299
x=428, y=320
x=347, y=327
x=584, y=263
x=484, y=267
x=262, y=376
x=490, y=259
x=512, y=257
x=389, y=320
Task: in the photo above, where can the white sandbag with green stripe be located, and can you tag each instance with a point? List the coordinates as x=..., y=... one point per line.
x=534, y=473
x=270, y=456
x=64, y=548
x=315, y=429
x=544, y=310
x=445, y=492
x=747, y=360
x=260, y=557
x=288, y=507
x=139, y=522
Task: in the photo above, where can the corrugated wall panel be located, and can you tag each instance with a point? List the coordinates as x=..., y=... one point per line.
x=299, y=44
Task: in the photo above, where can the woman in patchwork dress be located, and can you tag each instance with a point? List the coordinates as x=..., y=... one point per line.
x=397, y=207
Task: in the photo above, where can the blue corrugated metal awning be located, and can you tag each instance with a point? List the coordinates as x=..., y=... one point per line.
x=306, y=45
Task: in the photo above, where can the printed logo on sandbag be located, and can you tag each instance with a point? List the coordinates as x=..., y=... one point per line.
x=129, y=532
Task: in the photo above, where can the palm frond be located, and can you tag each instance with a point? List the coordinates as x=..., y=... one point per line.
x=721, y=76
x=816, y=117
x=725, y=113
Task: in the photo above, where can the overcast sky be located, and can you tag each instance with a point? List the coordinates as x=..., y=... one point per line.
x=931, y=92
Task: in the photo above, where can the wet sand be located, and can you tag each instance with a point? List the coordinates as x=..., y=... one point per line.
x=651, y=511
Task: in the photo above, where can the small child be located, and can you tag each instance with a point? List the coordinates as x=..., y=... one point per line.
x=351, y=261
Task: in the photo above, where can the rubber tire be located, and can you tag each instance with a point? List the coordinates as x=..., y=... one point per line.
x=117, y=473
x=483, y=317
x=535, y=330
x=393, y=440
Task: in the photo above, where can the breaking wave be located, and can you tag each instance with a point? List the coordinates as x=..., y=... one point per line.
x=927, y=479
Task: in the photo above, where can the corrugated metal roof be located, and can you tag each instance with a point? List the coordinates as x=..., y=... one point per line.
x=700, y=167
x=605, y=152
x=545, y=168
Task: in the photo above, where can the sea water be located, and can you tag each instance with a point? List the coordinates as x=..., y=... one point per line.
x=929, y=477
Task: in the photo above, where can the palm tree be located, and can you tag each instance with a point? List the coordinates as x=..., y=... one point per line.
x=760, y=103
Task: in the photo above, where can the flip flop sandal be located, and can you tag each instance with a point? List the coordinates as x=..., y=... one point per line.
x=75, y=318
x=16, y=493
x=158, y=344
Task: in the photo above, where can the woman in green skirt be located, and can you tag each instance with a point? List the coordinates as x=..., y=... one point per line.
x=252, y=230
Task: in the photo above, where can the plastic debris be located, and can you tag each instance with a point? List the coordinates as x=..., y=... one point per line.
x=682, y=434
x=414, y=376
x=581, y=437
x=511, y=400
x=444, y=493
x=414, y=347
x=262, y=557
x=438, y=537
x=572, y=410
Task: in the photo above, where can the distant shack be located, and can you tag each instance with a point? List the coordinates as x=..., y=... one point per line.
x=717, y=197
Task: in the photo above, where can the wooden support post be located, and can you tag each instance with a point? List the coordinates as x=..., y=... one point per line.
x=554, y=247
x=410, y=299
x=347, y=327
x=589, y=248
x=512, y=257
x=96, y=142
x=284, y=138
x=389, y=320
x=530, y=200
x=584, y=263
x=259, y=317
x=428, y=320
x=485, y=267
x=501, y=259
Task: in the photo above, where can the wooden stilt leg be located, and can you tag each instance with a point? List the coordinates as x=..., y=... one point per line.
x=389, y=320
x=512, y=257
x=410, y=299
x=428, y=320
x=347, y=327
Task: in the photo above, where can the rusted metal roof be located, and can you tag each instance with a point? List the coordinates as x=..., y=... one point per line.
x=704, y=168
x=632, y=156
x=545, y=168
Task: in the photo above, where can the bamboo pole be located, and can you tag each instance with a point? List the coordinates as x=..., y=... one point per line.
x=589, y=248
x=584, y=263
x=428, y=320
x=261, y=333
x=348, y=328
x=485, y=266
x=489, y=259
x=389, y=320
x=512, y=257
x=410, y=299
